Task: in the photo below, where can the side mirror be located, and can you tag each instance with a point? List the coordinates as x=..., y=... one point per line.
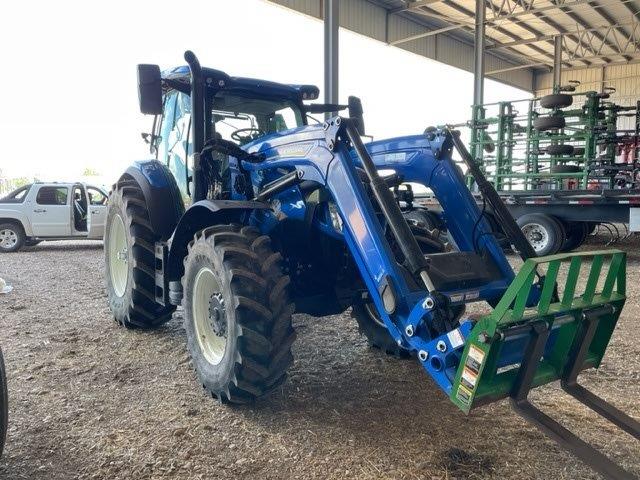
x=355, y=113
x=150, y=89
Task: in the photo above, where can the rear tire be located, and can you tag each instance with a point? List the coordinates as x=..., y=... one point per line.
x=425, y=226
x=129, y=247
x=377, y=335
x=545, y=233
x=237, y=313
x=12, y=237
x=577, y=233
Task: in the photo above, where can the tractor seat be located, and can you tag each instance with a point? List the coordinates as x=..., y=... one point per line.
x=461, y=270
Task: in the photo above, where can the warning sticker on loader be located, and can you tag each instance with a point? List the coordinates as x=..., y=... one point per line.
x=464, y=394
x=469, y=378
x=475, y=359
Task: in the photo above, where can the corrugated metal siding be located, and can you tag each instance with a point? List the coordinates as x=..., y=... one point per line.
x=624, y=78
x=364, y=17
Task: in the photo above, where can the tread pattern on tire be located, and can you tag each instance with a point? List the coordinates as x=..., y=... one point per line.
x=376, y=336
x=556, y=100
x=142, y=310
x=262, y=311
x=551, y=122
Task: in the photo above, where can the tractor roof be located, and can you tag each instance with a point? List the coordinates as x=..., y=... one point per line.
x=179, y=78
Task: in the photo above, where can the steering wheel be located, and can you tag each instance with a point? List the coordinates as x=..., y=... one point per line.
x=250, y=133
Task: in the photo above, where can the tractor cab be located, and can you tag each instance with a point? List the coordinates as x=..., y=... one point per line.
x=232, y=109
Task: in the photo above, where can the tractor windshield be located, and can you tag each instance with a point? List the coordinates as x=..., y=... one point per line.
x=242, y=119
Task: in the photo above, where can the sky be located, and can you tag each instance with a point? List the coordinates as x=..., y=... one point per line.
x=69, y=77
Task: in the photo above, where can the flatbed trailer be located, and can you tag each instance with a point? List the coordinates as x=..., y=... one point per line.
x=560, y=220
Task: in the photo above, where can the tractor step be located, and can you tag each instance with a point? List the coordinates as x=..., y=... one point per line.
x=539, y=333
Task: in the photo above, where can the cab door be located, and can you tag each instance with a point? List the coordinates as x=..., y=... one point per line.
x=97, y=199
x=51, y=212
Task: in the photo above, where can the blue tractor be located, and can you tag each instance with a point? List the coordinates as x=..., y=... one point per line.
x=252, y=210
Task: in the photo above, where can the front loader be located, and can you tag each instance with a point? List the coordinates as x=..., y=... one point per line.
x=251, y=211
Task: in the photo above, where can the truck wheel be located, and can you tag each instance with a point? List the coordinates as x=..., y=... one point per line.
x=552, y=122
x=11, y=237
x=237, y=313
x=129, y=244
x=545, y=233
x=4, y=403
x=556, y=100
x=577, y=233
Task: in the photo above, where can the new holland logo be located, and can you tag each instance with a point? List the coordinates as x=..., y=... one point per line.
x=298, y=150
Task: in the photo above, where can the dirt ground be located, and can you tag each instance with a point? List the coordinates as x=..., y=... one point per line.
x=90, y=400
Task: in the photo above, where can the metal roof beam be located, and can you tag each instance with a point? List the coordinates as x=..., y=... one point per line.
x=635, y=26
x=413, y=5
x=501, y=30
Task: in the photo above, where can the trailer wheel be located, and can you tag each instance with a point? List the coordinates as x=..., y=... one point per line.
x=559, y=149
x=577, y=233
x=129, y=245
x=11, y=237
x=552, y=122
x=557, y=100
x=237, y=313
x=545, y=233
x=4, y=403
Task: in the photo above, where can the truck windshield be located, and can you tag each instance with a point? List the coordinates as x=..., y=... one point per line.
x=242, y=120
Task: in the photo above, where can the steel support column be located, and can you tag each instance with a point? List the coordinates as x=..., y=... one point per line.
x=331, y=50
x=478, y=57
x=557, y=60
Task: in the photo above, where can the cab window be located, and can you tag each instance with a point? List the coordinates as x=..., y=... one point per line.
x=96, y=197
x=243, y=120
x=52, y=196
x=175, y=144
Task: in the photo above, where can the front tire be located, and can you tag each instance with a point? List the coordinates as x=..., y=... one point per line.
x=129, y=247
x=12, y=237
x=237, y=313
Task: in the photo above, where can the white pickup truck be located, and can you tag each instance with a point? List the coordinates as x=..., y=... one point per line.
x=51, y=211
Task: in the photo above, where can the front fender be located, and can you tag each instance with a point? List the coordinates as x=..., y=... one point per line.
x=202, y=214
x=161, y=195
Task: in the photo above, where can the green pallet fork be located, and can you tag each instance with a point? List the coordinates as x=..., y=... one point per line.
x=564, y=333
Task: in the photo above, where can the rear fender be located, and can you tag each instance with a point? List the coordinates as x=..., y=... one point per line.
x=161, y=195
x=202, y=214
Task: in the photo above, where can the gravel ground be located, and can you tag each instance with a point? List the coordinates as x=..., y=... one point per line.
x=89, y=400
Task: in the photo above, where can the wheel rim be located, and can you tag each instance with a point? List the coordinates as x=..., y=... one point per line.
x=8, y=238
x=209, y=316
x=118, y=256
x=536, y=235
